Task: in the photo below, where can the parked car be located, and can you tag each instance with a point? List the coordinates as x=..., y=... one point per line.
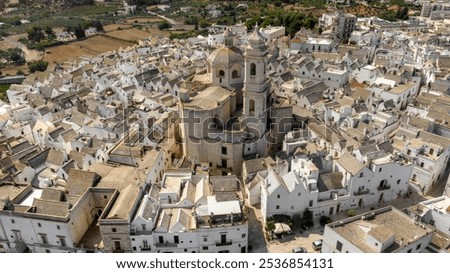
x=299, y=250
x=317, y=245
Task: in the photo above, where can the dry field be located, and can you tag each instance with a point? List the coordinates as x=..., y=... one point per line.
x=305, y=10
x=113, y=27
x=365, y=11
x=129, y=34
x=144, y=20
x=12, y=70
x=89, y=47
x=5, y=45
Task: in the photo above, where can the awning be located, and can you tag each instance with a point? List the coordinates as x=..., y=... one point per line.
x=281, y=228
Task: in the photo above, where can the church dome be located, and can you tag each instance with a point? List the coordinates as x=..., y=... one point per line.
x=226, y=56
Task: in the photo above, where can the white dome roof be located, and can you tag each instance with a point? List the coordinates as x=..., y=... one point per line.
x=226, y=55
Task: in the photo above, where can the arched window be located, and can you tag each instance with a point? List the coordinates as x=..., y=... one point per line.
x=234, y=74
x=221, y=73
x=252, y=69
x=251, y=106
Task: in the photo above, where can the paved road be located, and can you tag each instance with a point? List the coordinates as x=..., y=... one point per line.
x=438, y=188
x=256, y=237
x=170, y=21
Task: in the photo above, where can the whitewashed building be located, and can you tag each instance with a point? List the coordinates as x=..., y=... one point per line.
x=436, y=212
x=191, y=214
x=337, y=186
x=385, y=230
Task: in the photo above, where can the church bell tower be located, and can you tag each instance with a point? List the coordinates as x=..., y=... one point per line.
x=256, y=84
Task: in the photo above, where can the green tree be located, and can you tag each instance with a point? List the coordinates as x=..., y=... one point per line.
x=164, y=25
x=37, y=66
x=98, y=25
x=143, y=3
x=79, y=32
x=16, y=22
x=13, y=55
x=36, y=34
x=351, y=213
x=203, y=24
x=324, y=220
x=402, y=13
x=307, y=218
x=270, y=225
x=49, y=32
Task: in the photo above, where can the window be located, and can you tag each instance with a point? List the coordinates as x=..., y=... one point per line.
x=251, y=107
x=62, y=240
x=380, y=170
x=161, y=239
x=117, y=245
x=224, y=163
x=114, y=230
x=418, y=246
x=205, y=239
x=58, y=227
x=205, y=248
x=361, y=174
x=39, y=225
x=398, y=181
x=278, y=196
x=221, y=73
x=243, y=235
x=311, y=203
x=12, y=221
x=145, y=243
x=409, y=250
x=47, y=251
x=44, y=238
x=252, y=69
x=144, y=226
x=224, y=150
x=299, y=194
x=339, y=246
x=277, y=207
x=421, y=164
x=234, y=74
x=176, y=239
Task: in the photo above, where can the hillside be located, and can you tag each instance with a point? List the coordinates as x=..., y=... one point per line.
x=361, y=10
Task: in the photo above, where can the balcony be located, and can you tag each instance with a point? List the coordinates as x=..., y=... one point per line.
x=361, y=192
x=383, y=187
x=224, y=243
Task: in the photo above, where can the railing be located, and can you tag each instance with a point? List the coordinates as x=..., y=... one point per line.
x=385, y=187
x=224, y=243
x=361, y=192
